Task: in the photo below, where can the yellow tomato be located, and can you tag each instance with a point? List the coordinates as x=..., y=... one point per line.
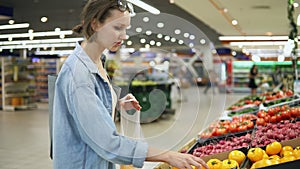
x=214, y=163
x=287, y=153
x=273, y=148
x=264, y=163
x=255, y=154
x=296, y=153
x=285, y=148
x=287, y=159
x=237, y=155
x=230, y=164
x=265, y=156
x=274, y=157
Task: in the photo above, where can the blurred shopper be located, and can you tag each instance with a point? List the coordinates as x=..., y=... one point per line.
x=84, y=133
x=212, y=82
x=252, y=79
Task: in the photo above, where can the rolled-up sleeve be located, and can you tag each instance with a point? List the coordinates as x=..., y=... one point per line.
x=98, y=130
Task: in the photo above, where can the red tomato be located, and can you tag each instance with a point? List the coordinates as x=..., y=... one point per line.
x=250, y=124
x=289, y=93
x=221, y=131
x=278, y=117
x=267, y=118
x=260, y=122
x=271, y=111
x=286, y=115
x=277, y=109
x=261, y=114
x=242, y=128
x=205, y=135
x=232, y=127
x=273, y=119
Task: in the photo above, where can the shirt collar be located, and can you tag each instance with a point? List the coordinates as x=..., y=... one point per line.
x=81, y=55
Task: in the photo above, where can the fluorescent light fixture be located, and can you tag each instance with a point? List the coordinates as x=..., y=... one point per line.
x=145, y=6
x=26, y=42
x=55, y=45
x=263, y=43
x=14, y=26
x=36, y=34
x=55, y=52
x=245, y=38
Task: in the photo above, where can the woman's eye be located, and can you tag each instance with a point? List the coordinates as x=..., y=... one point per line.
x=118, y=28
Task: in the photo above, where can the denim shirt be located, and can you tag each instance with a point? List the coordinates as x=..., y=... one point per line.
x=84, y=134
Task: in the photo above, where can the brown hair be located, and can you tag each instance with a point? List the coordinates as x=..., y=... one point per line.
x=94, y=9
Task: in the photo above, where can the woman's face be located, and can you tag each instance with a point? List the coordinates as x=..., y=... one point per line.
x=112, y=32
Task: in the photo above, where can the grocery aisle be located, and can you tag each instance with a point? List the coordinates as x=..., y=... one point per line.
x=24, y=137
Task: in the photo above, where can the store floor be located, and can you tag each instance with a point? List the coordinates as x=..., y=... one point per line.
x=24, y=136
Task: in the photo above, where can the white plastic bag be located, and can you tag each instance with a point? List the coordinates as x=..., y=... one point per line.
x=130, y=126
x=130, y=123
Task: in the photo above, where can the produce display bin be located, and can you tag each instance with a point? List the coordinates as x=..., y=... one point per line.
x=288, y=165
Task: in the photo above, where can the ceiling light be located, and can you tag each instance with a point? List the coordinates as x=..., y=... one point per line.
x=191, y=45
x=14, y=26
x=57, y=29
x=143, y=40
x=160, y=25
x=298, y=20
x=234, y=22
x=167, y=38
x=186, y=35
x=296, y=5
x=44, y=19
x=251, y=38
x=138, y=29
x=147, y=46
x=54, y=52
x=158, y=43
x=192, y=37
x=30, y=31
x=61, y=36
x=180, y=42
x=35, y=34
x=255, y=58
x=39, y=46
x=152, y=42
x=148, y=33
x=172, y=1
x=11, y=21
x=159, y=35
x=129, y=42
x=225, y=10
x=173, y=39
x=25, y=42
x=145, y=6
x=202, y=41
x=146, y=19
x=177, y=31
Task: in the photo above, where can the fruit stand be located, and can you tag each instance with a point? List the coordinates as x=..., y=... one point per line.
x=261, y=131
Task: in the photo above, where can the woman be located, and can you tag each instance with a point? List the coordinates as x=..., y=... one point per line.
x=252, y=75
x=84, y=133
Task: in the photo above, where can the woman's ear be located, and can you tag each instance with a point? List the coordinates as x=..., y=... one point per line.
x=94, y=24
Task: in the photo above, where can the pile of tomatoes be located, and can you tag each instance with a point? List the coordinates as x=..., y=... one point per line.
x=273, y=154
x=277, y=114
x=237, y=124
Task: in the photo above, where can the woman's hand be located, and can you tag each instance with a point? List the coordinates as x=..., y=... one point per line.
x=185, y=161
x=129, y=102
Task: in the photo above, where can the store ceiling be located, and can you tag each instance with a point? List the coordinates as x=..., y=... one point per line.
x=255, y=17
